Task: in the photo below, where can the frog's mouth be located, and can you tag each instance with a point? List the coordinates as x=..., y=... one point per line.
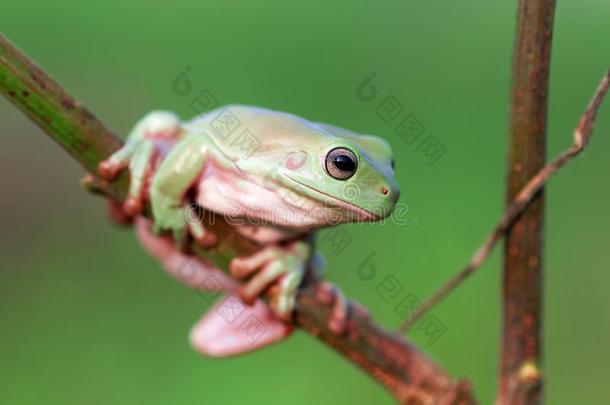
x=362, y=215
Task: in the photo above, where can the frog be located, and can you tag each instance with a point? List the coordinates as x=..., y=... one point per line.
x=276, y=177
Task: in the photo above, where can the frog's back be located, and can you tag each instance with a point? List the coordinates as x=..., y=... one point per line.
x=270, y=130
x=263, y=137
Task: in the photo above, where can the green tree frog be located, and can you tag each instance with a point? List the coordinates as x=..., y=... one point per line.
x=275, y=177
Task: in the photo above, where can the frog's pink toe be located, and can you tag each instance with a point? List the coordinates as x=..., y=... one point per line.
x=232, y=327
x=325, y=292
x=117, y=214
x=132, y=206
x=209, y=239
x=109, y=169
x=330, y=294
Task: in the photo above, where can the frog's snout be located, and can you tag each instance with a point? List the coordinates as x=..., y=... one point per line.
x=390, y=194
x=385, y=200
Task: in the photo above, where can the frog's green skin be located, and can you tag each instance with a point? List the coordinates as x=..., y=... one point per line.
x=265, y=171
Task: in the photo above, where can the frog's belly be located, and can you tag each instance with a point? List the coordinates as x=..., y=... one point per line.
x=249, y=205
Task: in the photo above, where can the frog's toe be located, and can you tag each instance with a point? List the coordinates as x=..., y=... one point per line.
x=132, y=206
x=276, y=269
x=197, y=230
x=330, y=294
x=202, y=236
x=263, y=279
x=285, y=277
x=285, y=300
x=171, y=220
x=139, y=170
x=242, y=267
x=117, y=213
x=108, y=169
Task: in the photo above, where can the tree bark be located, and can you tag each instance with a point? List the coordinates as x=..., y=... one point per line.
x=520, y=379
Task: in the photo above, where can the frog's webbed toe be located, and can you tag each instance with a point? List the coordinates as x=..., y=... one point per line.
x=282, y=267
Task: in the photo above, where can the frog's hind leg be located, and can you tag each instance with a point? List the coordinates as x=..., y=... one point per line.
x=231, y=327
x=280, y=266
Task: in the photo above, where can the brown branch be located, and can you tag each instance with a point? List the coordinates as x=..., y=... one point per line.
x=402, y=369
x=582, y=135
x=523, y=271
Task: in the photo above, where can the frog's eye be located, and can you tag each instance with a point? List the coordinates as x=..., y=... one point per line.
x=341, y=163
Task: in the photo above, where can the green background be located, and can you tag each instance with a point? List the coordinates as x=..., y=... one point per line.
x=87, y=317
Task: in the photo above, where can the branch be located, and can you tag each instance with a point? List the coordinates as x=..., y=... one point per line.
x=582, y=135
x=404, y=371
x=523, y=272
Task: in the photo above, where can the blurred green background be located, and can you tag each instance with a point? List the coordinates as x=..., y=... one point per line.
x=87, y=317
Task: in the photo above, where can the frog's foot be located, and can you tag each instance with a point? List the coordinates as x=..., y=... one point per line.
x=108, y=169
x=231, y=327
x=330, y=294
x=280, y=266
x=148, y=139
x=183, y=223
x=138, y=155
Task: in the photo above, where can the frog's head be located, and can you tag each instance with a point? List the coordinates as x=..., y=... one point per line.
x=351, y=176
x=312, y=174
x=324, y=175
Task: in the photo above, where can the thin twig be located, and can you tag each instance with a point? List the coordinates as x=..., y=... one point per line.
x=399, y=366
x=582, y=135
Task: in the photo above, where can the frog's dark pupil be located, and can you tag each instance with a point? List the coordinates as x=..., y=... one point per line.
x=344, y=163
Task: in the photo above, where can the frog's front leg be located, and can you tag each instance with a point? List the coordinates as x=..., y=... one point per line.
x=157, y=130
x=175, y=176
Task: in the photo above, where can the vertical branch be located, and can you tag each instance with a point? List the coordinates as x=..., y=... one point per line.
x=520, y=379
